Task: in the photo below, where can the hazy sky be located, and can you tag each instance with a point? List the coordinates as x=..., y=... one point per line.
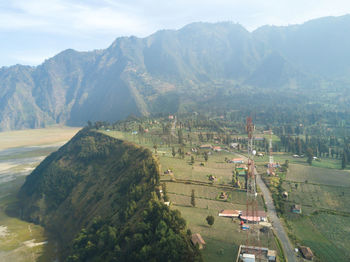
x=33, y=30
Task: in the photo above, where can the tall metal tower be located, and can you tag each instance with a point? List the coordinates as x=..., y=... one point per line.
x=252, y=203
x=251, y=189
x=270, y=165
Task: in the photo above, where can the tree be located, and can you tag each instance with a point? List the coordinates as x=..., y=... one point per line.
x=173, y=152
x=180, y=137
x=165, y=193
x=344, y=161
x=310, y=155
x=200, y=137
x=210, y=220
x=193, y=199
x=206, y=156
x=235, y=181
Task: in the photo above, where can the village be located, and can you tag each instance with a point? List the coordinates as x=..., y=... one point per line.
x=205, y=174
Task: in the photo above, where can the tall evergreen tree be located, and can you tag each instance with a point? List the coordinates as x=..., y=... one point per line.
x=193, y=198
x=344, y=161
x=310, y=156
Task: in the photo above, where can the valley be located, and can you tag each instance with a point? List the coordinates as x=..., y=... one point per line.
x=20, y=153
x=174, y=131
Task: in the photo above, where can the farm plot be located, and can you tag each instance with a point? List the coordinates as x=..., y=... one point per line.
x=319, y=196
x=182, y=169
x=300, y=173
x=207, y=192
x=181, y=200
x=327, y=235
x=208, y=196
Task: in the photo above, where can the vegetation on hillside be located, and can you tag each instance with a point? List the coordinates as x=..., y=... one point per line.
x=99, y=196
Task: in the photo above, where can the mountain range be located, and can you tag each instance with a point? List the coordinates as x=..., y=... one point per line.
x=201, y=64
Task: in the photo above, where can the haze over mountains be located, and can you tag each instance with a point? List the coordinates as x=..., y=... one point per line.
x=169, y=71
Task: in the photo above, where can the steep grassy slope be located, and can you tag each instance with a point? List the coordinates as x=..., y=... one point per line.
x=101, y=192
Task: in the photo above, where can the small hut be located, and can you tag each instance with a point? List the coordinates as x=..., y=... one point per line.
x=197, y=239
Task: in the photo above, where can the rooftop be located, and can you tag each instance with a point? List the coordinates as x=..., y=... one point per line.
x=197, y=238
x=257, y=213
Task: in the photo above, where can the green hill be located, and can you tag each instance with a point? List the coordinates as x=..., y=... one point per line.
x=99, y=197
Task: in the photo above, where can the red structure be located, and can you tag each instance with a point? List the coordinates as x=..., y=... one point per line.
x=252, y=203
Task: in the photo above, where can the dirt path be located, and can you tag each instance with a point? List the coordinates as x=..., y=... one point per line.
x=276, y=223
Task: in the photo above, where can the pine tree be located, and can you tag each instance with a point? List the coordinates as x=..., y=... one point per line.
x=344, y=161
x=180, y=137
x=165, y=193
x=206, y=156
x=193, y=199
x=309, y=155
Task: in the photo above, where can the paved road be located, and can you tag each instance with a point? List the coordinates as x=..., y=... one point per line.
x=271, y=212
x=276, y=222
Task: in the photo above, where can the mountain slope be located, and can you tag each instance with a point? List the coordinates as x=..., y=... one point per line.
x=320, y=46
x=98, y=196
x=178, y=70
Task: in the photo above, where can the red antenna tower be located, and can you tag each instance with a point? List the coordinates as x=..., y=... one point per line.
x=252, y=203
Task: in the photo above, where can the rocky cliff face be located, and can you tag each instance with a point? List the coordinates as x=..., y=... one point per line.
x=170, y=70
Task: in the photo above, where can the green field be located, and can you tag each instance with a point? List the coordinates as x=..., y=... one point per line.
x=300, y=173
x=327, y=235
x=15, y=243
x=315, y=197
x=182, y=168
x=208, y=196
x=225, y=236
x=280, y=157
x=324, y=224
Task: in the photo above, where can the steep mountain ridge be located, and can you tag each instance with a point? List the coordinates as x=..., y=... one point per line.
x=176, y=70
